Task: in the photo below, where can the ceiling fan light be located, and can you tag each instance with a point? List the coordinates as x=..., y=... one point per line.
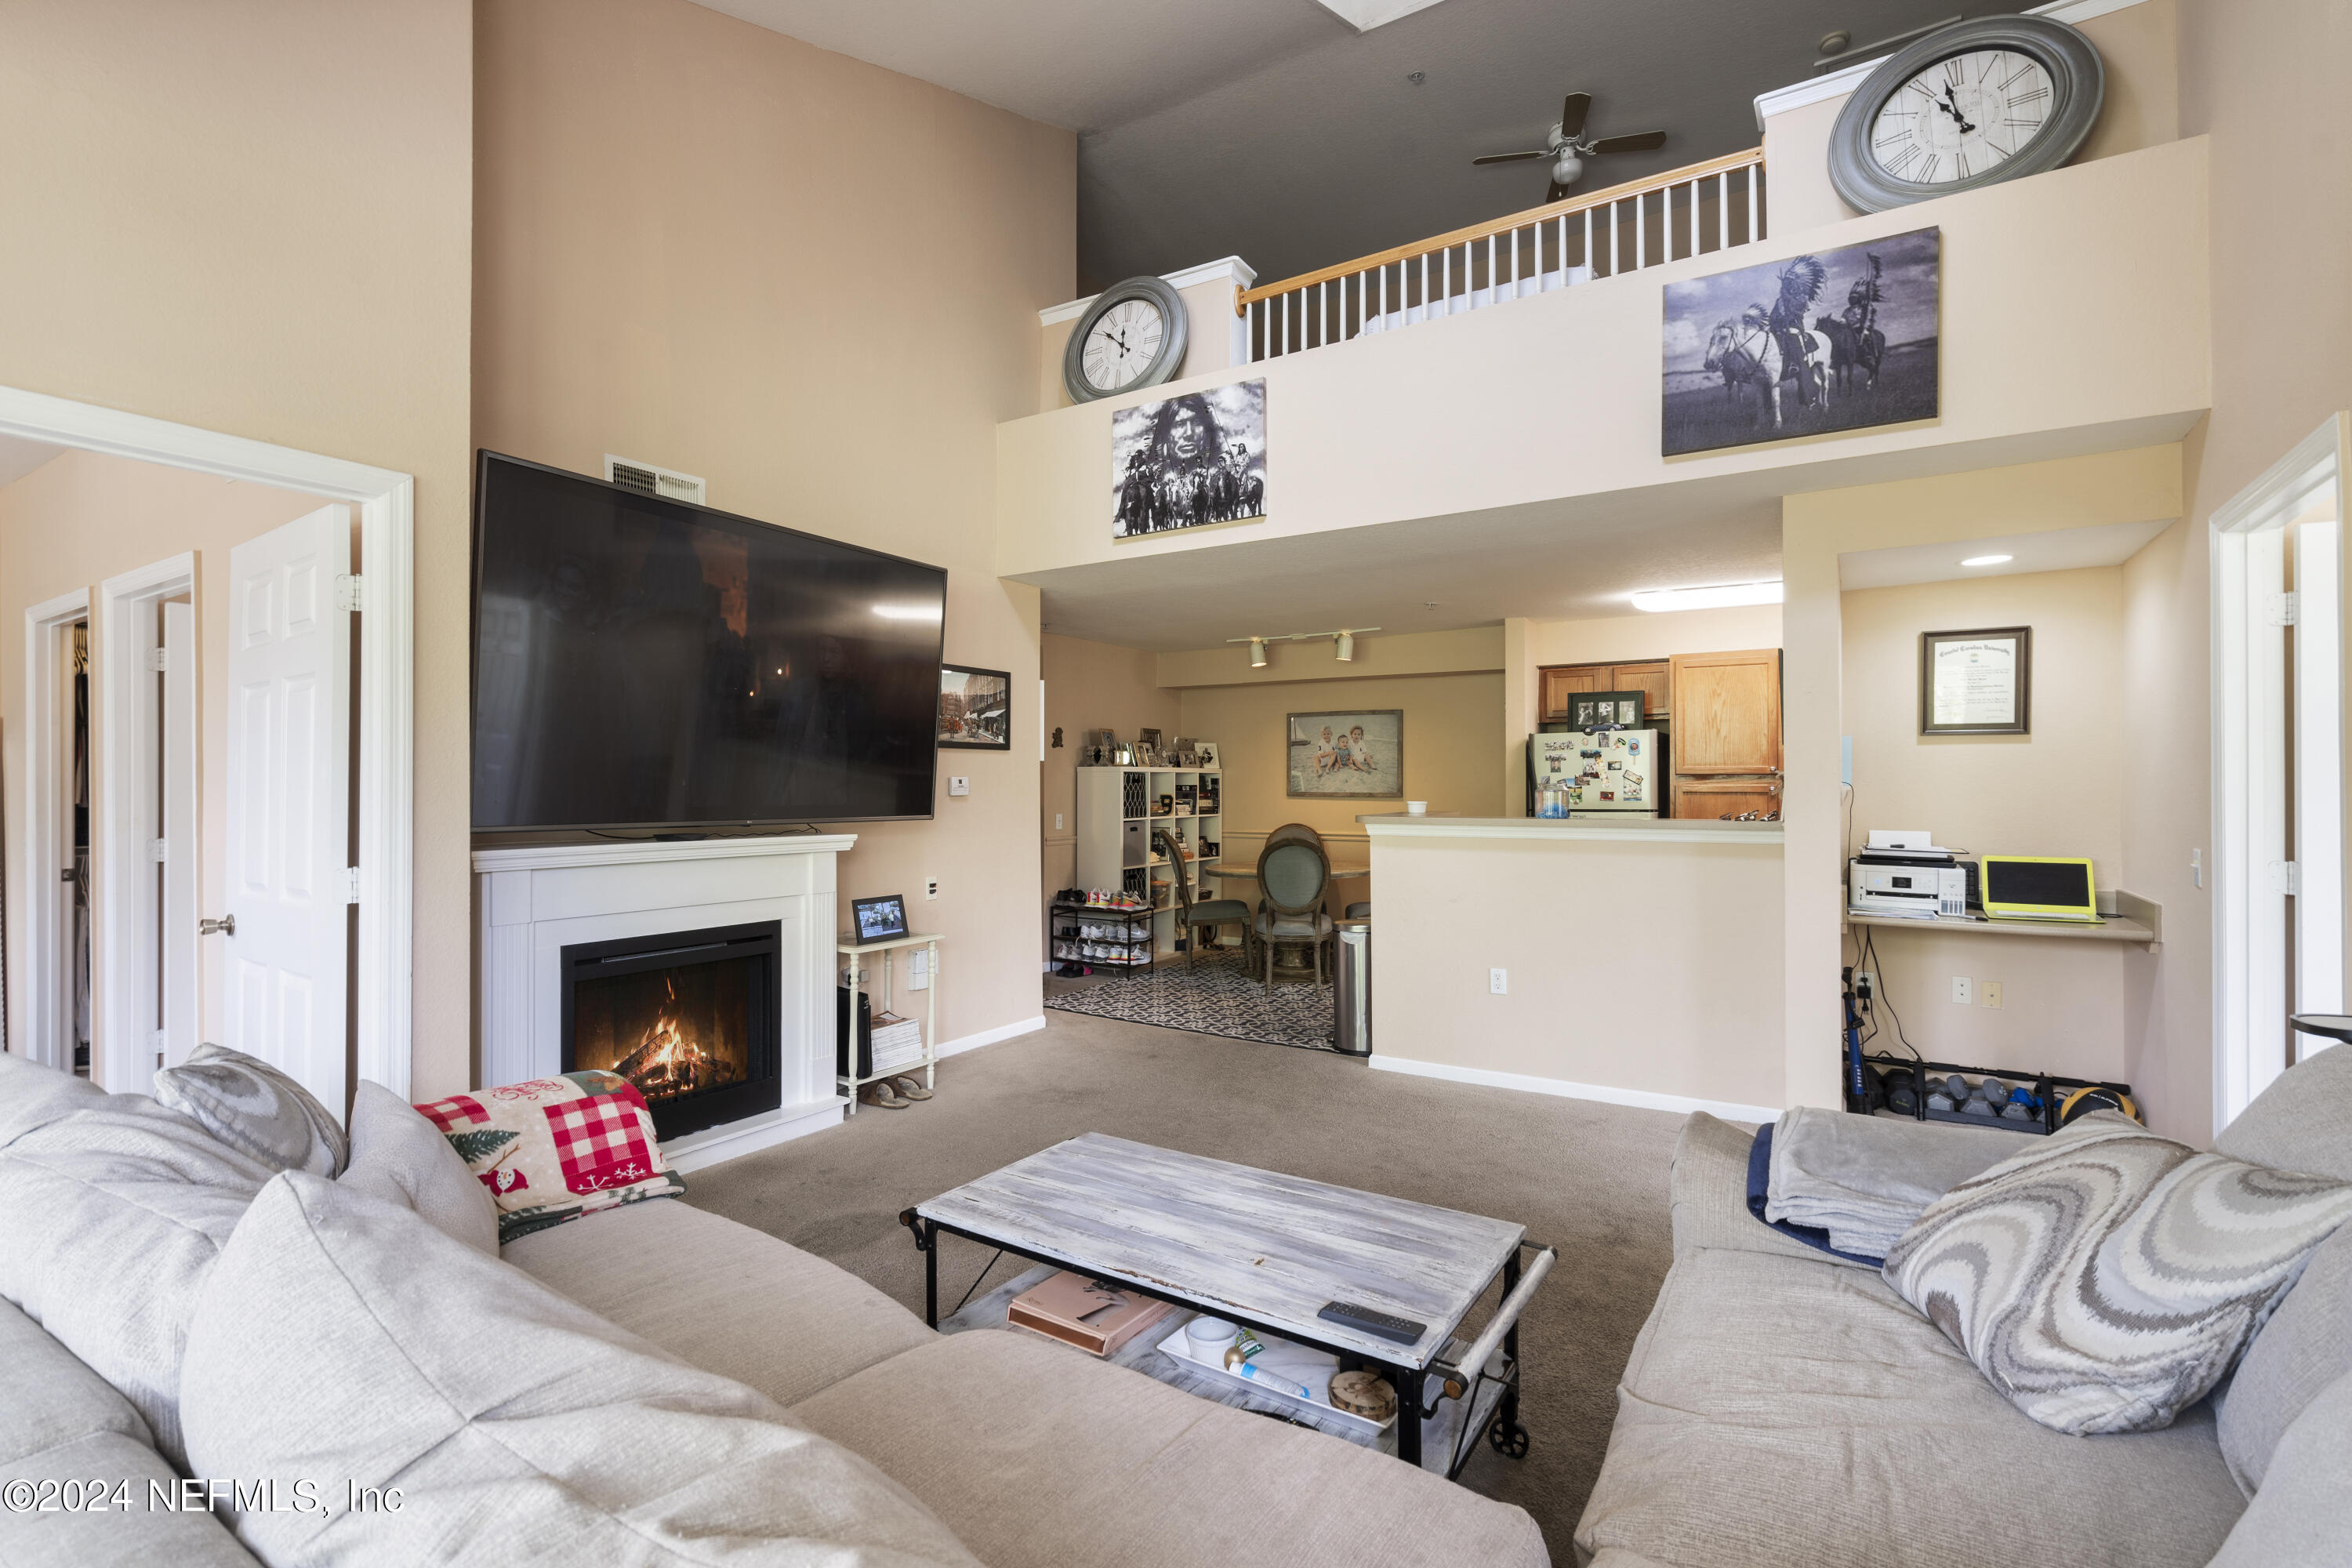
x=1257, y=653
x=1567, y=169
x=1347, y=648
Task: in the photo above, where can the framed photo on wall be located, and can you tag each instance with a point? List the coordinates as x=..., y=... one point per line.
x=1977, y=683
x=975, y=709
x=1354, y=755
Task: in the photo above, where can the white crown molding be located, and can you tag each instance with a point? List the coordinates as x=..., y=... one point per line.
x=1840, y=82
x=1242, y=273
x=1647, y=1100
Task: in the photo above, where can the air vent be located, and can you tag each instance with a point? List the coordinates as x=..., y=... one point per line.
x=648, y=480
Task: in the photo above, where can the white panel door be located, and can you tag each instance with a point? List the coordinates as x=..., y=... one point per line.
x=289, y=672
x=2318, y=776
x=178, y=918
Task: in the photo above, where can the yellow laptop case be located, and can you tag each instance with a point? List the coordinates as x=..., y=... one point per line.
x=2038, y=888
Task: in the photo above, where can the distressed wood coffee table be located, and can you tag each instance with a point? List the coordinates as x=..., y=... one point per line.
x=1267, y=1251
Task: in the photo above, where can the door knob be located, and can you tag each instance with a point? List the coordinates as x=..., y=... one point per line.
x=225, y=926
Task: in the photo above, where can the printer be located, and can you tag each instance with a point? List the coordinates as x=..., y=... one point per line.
x=1905, y=873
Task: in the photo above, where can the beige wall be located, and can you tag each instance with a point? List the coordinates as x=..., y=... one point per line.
x=256, y=218
x=1654, y=968
x=2138, y=485
x=1090, y=686
x=2057, y=790
x=73, y=522
x=2137, y=45
x=1451, y=728
x=1531, y=644
x=764, y=325
x=2021, y=360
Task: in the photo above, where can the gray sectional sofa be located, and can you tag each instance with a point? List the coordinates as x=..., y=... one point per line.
x=1026, y=1453
x=1783, y=1409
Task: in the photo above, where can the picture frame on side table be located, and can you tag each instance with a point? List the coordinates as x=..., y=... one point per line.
x=1977, y=682
x=882, y=919
x=975, y=709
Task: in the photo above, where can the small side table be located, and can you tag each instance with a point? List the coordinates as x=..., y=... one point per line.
x=852, y=949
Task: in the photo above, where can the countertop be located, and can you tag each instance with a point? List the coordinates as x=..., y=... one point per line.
x=1635, y=830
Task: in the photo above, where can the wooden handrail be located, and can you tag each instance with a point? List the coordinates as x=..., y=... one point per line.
x=1560, y=208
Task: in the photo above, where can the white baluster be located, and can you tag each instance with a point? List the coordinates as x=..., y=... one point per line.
x=1384, y=295
x=1723, y=210
x=1752, y=235
x=1641, y=232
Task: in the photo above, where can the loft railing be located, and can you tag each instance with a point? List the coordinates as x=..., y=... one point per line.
x=1704, y=208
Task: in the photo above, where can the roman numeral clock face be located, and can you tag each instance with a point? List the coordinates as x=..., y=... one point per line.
x=1120, y=346
x=1962, y=117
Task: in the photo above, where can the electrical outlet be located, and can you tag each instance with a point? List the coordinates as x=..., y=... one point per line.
x=919, y=969
x=1865, y=986
x=1991, y=991
x=1498, y=982
x=931, y=889
x=1963, y=990
x=958, y=784
x=1058, y=822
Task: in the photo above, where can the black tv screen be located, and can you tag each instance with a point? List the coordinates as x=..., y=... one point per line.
x=644, y=663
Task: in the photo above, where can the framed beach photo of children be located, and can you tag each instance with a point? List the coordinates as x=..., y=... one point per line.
x=1347, y=757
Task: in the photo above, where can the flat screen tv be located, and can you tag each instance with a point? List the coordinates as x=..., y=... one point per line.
x=641, y=663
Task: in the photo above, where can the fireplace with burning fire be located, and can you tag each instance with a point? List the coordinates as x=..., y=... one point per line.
x=687, y=1016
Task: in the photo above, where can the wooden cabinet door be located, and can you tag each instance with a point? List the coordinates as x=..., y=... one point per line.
x=1728, y=712
x=1561, y=680
x=1711, y=798
x=1653, y=682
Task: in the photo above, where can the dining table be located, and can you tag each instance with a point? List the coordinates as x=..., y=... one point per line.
x=1249, y=869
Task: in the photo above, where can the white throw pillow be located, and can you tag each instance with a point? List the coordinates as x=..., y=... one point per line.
x=33, y=1096
x=110, y=1217
x=249, y=1105
x=2107, y=1280
x=399, y=1157
x=348, y=1343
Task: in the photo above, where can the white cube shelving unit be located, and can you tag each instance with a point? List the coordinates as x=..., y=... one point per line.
x=1117, y=809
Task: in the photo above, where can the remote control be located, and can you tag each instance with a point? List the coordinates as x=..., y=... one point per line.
x=1372, y=1320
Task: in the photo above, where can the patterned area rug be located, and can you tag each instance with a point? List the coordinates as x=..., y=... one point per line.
x=1214, y=998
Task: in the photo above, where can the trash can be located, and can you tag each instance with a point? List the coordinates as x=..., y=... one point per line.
x=1353, y=1036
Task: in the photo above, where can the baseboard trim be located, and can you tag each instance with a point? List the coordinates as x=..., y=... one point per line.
x=1646, y=1099
x=990, y=1036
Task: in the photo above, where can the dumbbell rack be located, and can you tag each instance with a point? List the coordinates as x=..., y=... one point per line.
x=2048, y=1088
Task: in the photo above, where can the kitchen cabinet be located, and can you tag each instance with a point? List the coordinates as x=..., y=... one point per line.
x=1711, y=798
x=1651, y=677
x=1728, y=712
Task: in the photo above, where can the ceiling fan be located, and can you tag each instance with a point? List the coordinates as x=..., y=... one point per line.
x=1568, y=146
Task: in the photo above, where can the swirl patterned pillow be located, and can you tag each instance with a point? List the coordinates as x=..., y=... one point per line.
x=255, y=1110
x=2108, y=1280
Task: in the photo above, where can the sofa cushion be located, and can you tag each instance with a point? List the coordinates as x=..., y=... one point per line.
x=110, y=1217
x=1037, y=1453
x=552, y=1149
x=253, y=1107
x=2303, y=1121
x=62, y=1426
x=399, y=1157
x=2303, y=1516
x=1788, y=1413
x=345, y=1339
x=731, y=1299
x=2305, y=1346
x=2108, y=1279
x=33, y=1096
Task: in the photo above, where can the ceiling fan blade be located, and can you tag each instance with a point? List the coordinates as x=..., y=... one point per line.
x=1647, y=142
x=1572, y=111
x=1507, y=158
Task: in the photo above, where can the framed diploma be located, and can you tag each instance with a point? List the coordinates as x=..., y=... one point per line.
x=1977, y=683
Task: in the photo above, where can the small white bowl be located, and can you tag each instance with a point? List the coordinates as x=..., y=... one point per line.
x=1207, y=1339
x=1417, y=807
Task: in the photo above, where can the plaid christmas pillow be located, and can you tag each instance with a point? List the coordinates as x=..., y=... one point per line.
x=556, y=1148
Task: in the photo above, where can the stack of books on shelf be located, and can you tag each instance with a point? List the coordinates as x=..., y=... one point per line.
x=897, y=1042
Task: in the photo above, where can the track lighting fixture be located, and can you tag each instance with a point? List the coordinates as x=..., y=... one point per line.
x=1345, y=637
x=1257, y=653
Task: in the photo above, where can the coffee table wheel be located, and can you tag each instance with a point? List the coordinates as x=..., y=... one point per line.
x=1507, y=1439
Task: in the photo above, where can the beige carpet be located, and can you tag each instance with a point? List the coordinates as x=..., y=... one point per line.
x=1590, y=1179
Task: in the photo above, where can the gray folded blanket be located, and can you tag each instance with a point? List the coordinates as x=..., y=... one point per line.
x=1864, y=1179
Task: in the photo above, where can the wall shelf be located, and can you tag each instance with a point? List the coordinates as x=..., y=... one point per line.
x=2133, y=919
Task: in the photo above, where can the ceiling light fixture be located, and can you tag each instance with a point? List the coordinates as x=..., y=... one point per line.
x=1988, y=560
x=1345, y=637
x=1713, y=598
x=1257, y=653
x=1347, y=650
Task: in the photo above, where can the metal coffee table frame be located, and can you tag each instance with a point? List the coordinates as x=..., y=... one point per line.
x=1460, y=1377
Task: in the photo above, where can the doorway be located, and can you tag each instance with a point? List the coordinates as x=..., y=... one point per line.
x=2279, y=765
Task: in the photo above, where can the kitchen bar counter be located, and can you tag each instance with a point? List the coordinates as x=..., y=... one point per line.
x=1633, y=960
x=1644, y=829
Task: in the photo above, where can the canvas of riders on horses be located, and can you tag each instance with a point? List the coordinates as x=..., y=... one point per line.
x=1841, y=340
x=1194, y=459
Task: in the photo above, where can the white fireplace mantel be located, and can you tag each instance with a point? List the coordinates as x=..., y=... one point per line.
x=534, y=900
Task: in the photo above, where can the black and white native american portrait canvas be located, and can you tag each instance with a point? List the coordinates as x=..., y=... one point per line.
x=1194, y=459
x=1841, y=340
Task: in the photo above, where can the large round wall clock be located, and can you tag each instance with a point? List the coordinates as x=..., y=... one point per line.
x=1987, y=99
x=1131, y=336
